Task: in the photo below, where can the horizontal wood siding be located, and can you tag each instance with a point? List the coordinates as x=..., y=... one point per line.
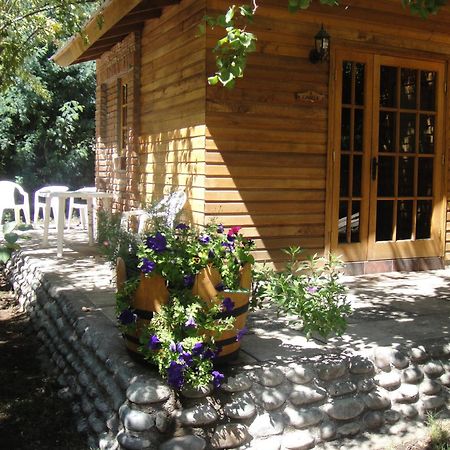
x=172, y=111
x=266, y=153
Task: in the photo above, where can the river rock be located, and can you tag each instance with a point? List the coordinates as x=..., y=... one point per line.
x=433, y=369
x=430, y=387
x=304, y=418
x=237, y=384
x=199, y=415
x=269, y=377
x=305, y=395
x=241, y=407
x=377, y=399
x=406, y=393
x=332, y=370
x=412, y=375
x=230, y=435
x=267, y=424
x=298, y=440
x=188, y=442
x=388, y=380
x=272, y=398
x=359, y=365
x=373, y=420
x=341, y=388
x=300, y=374
x=137, y=420
x=345, y=409
x=143, y=393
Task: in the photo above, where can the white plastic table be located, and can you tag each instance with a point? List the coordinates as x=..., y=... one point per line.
x=62, y=197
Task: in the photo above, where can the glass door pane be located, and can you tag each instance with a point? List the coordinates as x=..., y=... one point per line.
x=351, y=152
x=406, y=140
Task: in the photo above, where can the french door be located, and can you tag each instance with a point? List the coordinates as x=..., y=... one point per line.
x=387, y=157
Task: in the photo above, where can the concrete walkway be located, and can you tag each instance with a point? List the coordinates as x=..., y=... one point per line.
x=405, y=309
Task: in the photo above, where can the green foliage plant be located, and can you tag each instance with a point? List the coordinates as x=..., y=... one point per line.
x=9, y=243
x=180, y=339
x=309, y=289
x=115, y=242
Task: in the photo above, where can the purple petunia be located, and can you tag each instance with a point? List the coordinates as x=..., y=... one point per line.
x=147, y=266
x=176, y=347
x=220, y=228
x=228, y=245
x=157, y=243
x=186, y=358
x=211, y=254
x=197, y=349
x=190, y=323
x=175, y=375
x=182, y=226
x=154, y=343
x=217, y=378
x=227, y=304
x=204, y=239
x=241, y=333
x=127, y=317
x=209, y=354
x=188, y=281
x=311, y=289
x=220, y=287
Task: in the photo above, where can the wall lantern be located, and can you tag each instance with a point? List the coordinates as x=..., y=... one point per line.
x=322, y=46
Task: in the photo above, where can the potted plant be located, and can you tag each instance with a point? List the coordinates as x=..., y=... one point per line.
x=186, y=310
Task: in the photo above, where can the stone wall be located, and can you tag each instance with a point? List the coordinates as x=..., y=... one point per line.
x=306, y=404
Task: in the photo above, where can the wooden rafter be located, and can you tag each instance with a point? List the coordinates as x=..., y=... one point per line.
x=115, y=20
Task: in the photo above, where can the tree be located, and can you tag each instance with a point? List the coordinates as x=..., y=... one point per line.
x=26, y=26
x=47, y=136
x=233, y=49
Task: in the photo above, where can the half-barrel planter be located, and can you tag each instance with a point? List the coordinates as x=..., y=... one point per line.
x=152, y=293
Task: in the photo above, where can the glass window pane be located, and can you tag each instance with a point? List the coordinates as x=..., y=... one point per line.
x=345, y=129
x=386, y=176
x=388, y=86
x=357, y=169
x=342, y=224
x=407, y=132
x=346, y=82
x=425, y=181
x=426, y=136
x=404, y=220
x=423, y=226
x=384, y=220
x=345, y=173
x=359, y=130
x=359, y=83
x=408, y=88
x=428, y=91
x=355, y=222
x=386, y=133
x=406, y=177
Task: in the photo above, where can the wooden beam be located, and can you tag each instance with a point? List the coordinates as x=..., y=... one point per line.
x=113, y=21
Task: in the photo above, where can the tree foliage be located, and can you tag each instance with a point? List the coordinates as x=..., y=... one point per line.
x=28, y=25
x=46, y=135
x=233, y=49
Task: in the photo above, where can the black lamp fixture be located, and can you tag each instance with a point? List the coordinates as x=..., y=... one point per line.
x=320, y=52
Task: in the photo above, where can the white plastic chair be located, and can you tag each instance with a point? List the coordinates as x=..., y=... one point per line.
x=8, y=200
x=81, y=206
x=167, y=209
x=40, y=198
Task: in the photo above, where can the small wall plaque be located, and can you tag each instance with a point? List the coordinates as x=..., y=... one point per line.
x=309, y=97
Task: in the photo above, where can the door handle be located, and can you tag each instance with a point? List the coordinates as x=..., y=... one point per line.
x=374, y=168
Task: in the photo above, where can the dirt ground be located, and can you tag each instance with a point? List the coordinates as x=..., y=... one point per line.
x=32, y=417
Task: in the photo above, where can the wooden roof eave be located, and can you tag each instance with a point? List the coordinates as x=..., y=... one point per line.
x=115, y=20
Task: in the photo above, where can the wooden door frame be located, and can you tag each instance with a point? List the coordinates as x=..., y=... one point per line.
x=440, y=221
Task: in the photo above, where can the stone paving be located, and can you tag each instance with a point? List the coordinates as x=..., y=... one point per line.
x=317, y=390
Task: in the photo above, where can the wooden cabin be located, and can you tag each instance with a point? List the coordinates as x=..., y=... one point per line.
x=347, y=155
